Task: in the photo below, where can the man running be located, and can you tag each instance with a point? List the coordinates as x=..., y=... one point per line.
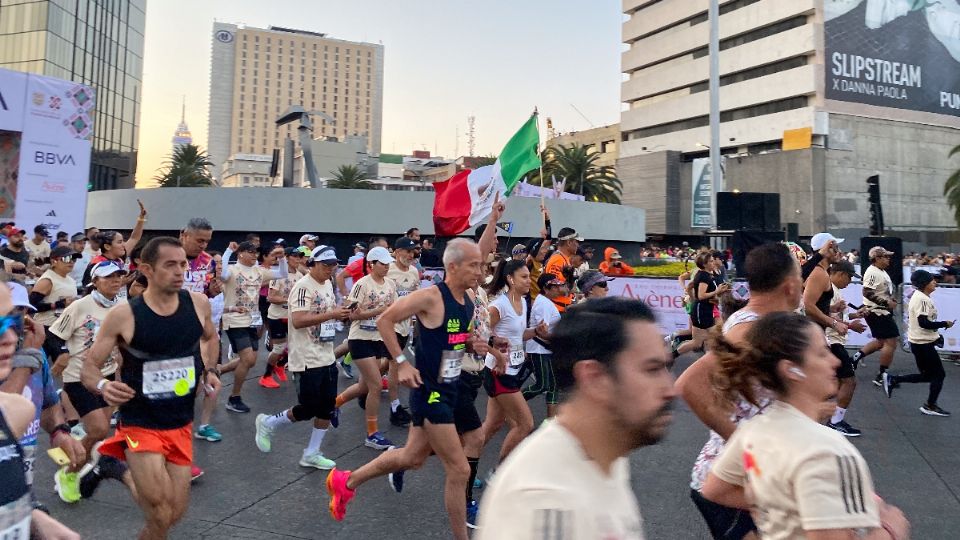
x=166, y=339
x=880, y=303
x=841, y=273
x=561, y=263
x=39, y=245
x=309, y=241
x=313, y=312
x=241, y=317
x=277, y=315
x=359, y=252
x=444, y=313
x=407, y=279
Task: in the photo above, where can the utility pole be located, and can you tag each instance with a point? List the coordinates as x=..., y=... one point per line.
x=716, y=174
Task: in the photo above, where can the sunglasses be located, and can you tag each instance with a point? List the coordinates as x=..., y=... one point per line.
x=14, y=321
x=602, y=285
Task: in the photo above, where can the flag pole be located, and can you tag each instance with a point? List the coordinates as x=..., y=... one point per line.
x=542, y=202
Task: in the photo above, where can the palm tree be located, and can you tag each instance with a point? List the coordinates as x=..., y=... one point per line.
x=951, y=189
x=187, y=166
x=349, y=177
x=577, y=165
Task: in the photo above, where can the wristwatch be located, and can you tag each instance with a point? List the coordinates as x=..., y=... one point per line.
x=401, y=358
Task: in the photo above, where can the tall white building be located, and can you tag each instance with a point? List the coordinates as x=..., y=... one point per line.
x=256, y=74
x=182, y=136
x=815, y=96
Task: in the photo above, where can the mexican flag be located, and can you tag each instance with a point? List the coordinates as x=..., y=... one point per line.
x=466, y=199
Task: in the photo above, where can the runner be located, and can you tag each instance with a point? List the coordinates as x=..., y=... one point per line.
x=162, y=336
x=706, y=293
x=407, y=280
x=443, y=313
x=73, y=334
x=313, y=311
x=112, y=247
x=798, y=479
x=358, y=267
x=571, y=479
x=79, y=245
x=593, y=284
x=39, y=245
x=775, y=286
x=561, y=262
x=309, y=241
x=429, y=257
x=841, y=274
x=880, y=303
x=241, y=317
x=15, y=251
x=359, y=252
x=53, y=292
x=277, y=322
x=538, y=348
x=924, y=340
x=507, y=366
x=368, y=299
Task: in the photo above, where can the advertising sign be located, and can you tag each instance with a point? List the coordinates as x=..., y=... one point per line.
x=894, y=53
x=702, y=192
x=44, y=151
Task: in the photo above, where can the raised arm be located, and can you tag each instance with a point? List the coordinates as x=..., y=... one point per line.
x=488, y=240
x=137, y=233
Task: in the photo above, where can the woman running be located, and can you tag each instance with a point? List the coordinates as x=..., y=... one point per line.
x=706, y=294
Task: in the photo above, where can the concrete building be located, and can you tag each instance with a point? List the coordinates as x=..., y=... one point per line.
x=785, y=125
x=256, y=74
x=604, y=140
x=247, y=170
x=99, y=44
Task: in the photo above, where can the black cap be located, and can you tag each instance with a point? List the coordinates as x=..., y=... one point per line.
x=845, y=267
x=547, y=279
x=921, y=278
x=61, y=252
x=360, y=245
x=42, y=229
x=405, y=243
x=294, y=251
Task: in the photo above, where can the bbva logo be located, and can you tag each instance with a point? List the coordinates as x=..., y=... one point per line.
x=53, y=158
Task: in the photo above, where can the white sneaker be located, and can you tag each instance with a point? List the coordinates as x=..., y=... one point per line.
x=264, y=436
x=317, y=461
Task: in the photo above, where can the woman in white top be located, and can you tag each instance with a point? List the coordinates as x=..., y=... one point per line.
x=53, y=292
x=506, y=365
x=799, y=478
x=538, y=349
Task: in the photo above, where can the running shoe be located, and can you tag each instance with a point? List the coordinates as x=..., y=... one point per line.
x=235, y=404
x=377, y=441
x=340, y=494
x=400, y=417
x=473, y=508
x=317, y=461
x=195, y=472
x=105, y=467
x=267, y=381
x=933, y=410
x=264, y=436
x=67, y=485
x=281, y=373
x=844, y=429
x=878, y=380
x=335, y=417
x=347, y=369
x=396, y=481
x=362, y=401
x=384, y=384
x=887, y=383
x=267, y=343
x=857, y=359
x=208, y=433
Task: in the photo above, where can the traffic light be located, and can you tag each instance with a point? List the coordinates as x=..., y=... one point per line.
x=876, y=209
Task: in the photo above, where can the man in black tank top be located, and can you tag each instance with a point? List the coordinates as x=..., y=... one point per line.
x=168, y=343
x=444, y=316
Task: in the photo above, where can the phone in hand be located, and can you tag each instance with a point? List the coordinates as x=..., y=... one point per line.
x=58, y=456
x=854, y=307
x=353, y=306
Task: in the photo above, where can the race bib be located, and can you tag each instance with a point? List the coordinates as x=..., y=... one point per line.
x=29, y=456
x=12, y=526
x=328, y=331
x=167, y=379
x=451, y=363
x=517, y=357
x=256, y=319
x=369, y=324
x=401, y=294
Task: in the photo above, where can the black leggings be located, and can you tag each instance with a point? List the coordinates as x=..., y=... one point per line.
x=931, y=370
x=546, y=382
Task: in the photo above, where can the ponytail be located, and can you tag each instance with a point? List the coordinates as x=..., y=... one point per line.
x=506, y=268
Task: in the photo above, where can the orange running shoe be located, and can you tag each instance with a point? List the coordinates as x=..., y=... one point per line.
x=340, y=494
x=281, y=373
x=267, y=381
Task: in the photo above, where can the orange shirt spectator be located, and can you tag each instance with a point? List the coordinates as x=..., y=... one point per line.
x=613, y=265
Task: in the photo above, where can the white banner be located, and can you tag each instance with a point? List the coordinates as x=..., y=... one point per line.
x=523, y=189
x=664, y=296
x=13, y=92
x=54, y=155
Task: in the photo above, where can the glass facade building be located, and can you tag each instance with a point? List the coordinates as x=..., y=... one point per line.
x=94, y=42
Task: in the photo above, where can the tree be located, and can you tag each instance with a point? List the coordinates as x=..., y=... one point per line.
x=187, y=166
x=349, y=177
x=576, y=164
x=951, y=189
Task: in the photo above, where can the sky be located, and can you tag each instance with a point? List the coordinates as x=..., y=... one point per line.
x=444, y=60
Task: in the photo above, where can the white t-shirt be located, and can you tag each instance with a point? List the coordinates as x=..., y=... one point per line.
x=834, y=337
x=283, y=288
x=878, y=280
x=511, y=327
x=312, y=346
x=543, y=310
x=549, y=488
x=921, y=304
x=61, y=287
x=798, y=474
x=370, y=295
x=41, y=251
x=216, y=309
x=78, y=327
x=241, y=288
x=406, y=282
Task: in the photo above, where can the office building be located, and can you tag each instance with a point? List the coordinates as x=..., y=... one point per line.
x=815, y=96
x=256, y=74
x=98, y=43
x=601, y=140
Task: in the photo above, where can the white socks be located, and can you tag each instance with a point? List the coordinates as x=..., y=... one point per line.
x=276, y=420
x=394, y=404
x=316, y=439
x=838, y=415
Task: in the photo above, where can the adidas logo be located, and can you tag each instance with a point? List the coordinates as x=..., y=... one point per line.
x=52, y=213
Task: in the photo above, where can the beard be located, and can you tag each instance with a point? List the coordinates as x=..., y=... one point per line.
x=646, y=432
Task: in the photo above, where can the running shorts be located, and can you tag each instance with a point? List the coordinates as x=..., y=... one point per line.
x=83, y=400
x=277, y=328
x=465, y=415
x=263, y=304
x=724, y=523
x=432, y=406
x=845, y=371
x=368, y=348
x=882, y=326
x=496, y=385
x=702, y=315
x=176, y=445
x=317, y=390
x=243, y=338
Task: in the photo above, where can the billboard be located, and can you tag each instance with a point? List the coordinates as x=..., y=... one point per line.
x=894, y=53
x=45, y=129
x=702, y=192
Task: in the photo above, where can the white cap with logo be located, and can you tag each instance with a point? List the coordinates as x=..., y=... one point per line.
x=821, y=239
x=380, y=255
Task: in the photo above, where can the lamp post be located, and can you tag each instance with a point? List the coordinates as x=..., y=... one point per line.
x=716, y=174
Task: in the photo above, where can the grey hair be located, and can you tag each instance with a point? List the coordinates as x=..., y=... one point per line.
x=198, y=224
x=455, y=252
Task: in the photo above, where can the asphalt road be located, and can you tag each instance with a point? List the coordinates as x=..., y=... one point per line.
x=247, y=494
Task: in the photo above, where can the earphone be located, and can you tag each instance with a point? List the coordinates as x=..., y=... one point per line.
x=798, y=372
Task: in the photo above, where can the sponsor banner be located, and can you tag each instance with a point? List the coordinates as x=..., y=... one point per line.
x=13, y=92
x=894, y=53
x=664, y=296
x=702, y=191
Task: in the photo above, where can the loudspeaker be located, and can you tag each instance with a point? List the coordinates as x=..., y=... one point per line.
x=743, y=241
x=771, y=212
x=793, y=232
x=752, y=211
x=728, y=211
x=890, y=243
x=748, y=211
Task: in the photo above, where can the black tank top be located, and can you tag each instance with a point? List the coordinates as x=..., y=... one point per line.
x=823, y=303
x=439, y=351
x=15, y=505
x=163, y=365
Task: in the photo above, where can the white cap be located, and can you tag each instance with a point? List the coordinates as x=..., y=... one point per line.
x=380, y=254
x=324, y=254
x=821, y=239
x=106, y=269
x=306, y=237
x=20, y=296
